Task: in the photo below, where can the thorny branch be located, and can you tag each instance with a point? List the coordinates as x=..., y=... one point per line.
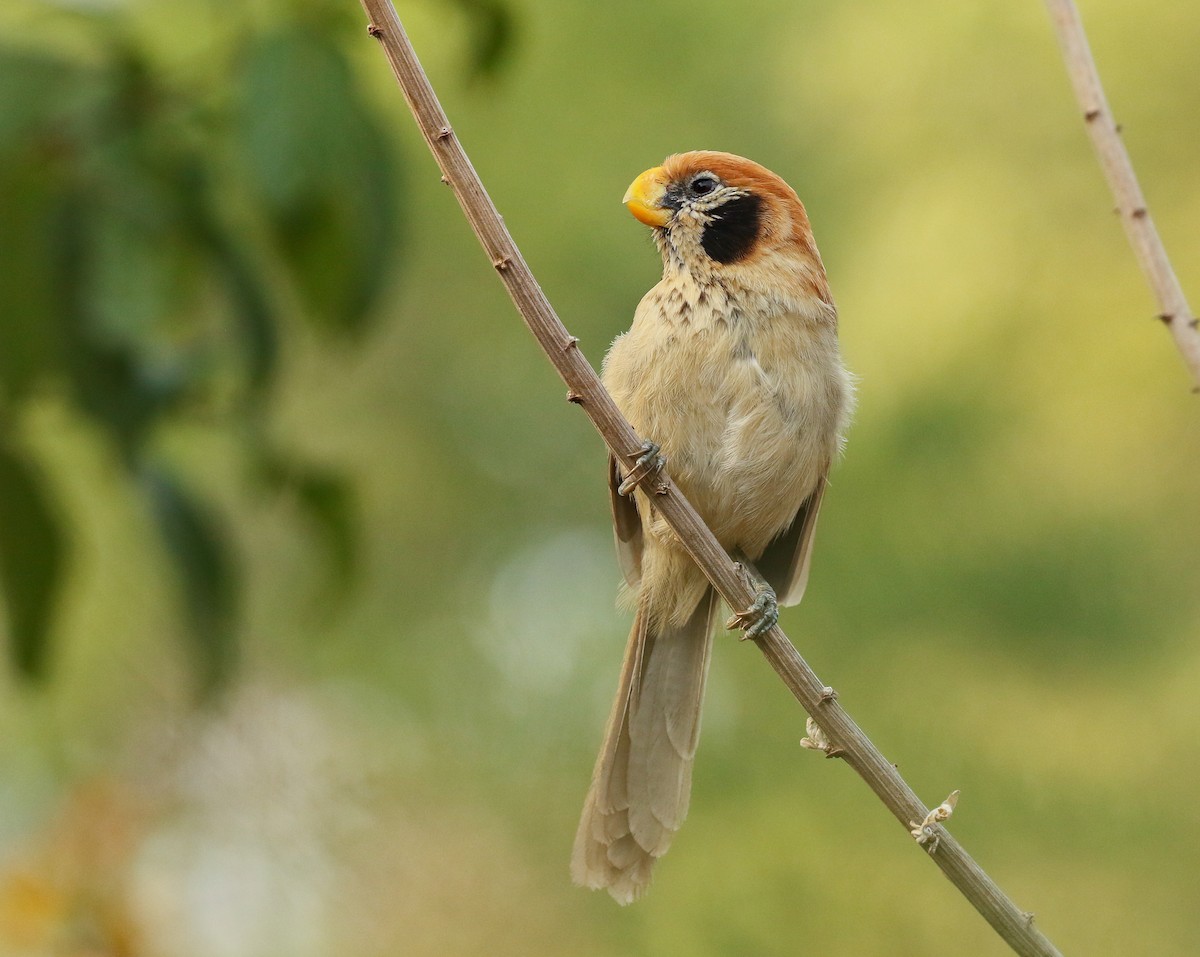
x=1118, y=170
x=843, y=736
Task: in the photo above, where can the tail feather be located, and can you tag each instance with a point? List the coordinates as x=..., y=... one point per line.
x=643, y=776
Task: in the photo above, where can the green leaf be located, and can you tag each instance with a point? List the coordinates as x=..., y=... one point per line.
x=205, y=572
x=35, y=89
x=32, y=558
x=327, y=500
x=108, y=381
x=29, y=284
x=324, y=168
x=247, y=287
x=132, y=276
x=338, y=242
x=252, y=308
x=295, y=89
x=491, y=35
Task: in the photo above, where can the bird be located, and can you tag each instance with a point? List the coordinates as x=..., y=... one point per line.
x=732, y=371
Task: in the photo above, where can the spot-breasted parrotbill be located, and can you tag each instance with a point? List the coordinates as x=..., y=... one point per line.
x=732, y=368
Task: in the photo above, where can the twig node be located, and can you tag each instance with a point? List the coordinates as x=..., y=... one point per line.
x=816, y=739
x=926, y=833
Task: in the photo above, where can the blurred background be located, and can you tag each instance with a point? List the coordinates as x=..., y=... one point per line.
x=306, y=568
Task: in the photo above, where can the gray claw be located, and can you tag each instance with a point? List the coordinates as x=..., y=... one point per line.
x=761, y=616
x=648, y=463
x=765, y=610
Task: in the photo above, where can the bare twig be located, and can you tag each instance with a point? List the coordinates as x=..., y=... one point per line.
x=1118, y=170
x=841, y=734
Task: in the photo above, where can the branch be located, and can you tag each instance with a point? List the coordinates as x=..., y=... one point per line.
x=1118, y=170
x=842, y=736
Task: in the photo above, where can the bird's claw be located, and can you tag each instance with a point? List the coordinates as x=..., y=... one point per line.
x=760, y=617
x=650, y=462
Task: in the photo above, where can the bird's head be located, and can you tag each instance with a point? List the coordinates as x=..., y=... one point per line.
x=719, y=214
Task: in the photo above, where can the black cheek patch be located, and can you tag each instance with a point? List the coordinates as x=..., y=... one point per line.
x=734, y=229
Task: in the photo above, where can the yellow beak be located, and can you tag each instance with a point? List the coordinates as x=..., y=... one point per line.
x=645, y=198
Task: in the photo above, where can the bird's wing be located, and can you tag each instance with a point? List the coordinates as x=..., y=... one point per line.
x=627, y=527
x=784, y=563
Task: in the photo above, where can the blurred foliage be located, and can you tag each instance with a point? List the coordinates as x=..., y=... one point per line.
x=31, y=551
x=158, y=241
x=260, y=390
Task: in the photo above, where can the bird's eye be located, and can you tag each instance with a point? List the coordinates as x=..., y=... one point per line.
x=703, y=185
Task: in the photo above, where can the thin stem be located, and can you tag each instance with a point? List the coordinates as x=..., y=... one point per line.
x=584, y=388
x=1118, y=170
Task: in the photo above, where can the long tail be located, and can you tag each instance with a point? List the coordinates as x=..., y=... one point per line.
x=643, y=776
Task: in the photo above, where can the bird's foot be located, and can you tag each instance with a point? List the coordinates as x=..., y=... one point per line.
x=763, y=612
x=649, y=463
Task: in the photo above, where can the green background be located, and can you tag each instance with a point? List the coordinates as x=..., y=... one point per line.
x=366, y=723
